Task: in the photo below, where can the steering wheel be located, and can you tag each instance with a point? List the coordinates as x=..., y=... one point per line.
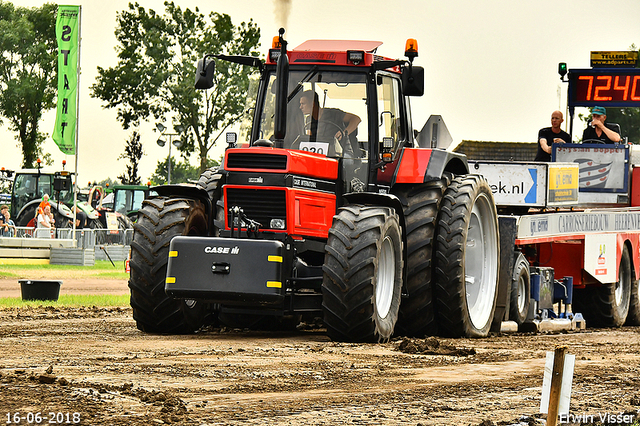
x=307, y=127
x=598, y=141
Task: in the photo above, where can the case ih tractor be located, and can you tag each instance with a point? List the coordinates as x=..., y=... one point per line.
x=323, y=215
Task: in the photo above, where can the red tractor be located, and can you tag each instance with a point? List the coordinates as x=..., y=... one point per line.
x=333, y=209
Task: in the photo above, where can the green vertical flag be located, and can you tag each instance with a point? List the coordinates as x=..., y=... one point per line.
x=67, y=29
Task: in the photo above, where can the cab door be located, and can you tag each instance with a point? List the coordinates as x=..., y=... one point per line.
x=391, y=126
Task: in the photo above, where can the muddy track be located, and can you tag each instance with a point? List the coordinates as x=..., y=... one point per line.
x=96, y=363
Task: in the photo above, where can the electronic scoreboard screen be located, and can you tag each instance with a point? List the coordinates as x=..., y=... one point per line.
x=604, y=87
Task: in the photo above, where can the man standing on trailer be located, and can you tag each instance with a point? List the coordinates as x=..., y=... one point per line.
x=547, y=136
x=598, y=130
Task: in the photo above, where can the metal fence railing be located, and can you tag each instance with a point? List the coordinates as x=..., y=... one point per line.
x=87, y=238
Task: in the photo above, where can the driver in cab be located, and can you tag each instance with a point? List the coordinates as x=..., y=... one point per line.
x=328, y=124
x=598, y=131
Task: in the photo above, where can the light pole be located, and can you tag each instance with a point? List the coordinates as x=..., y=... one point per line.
x=162, y=142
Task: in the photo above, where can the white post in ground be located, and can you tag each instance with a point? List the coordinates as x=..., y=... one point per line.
x=556, y=385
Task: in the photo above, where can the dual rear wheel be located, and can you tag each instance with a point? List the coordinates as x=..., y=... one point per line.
x=363, y=270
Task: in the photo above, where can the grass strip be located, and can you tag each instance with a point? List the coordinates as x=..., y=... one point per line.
x=68, y=300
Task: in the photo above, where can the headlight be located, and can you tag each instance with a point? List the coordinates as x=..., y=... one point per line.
x=278, y=224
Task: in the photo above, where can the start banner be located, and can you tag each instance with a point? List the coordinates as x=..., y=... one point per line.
x=67, y=34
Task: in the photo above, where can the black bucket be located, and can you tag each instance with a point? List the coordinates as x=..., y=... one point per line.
x=40, y=289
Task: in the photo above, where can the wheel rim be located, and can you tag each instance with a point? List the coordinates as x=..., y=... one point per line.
x=619, y=292
x=522, y=290
x=481, y=257
x=386, y=278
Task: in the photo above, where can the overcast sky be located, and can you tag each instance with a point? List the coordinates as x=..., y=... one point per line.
x=490, y=66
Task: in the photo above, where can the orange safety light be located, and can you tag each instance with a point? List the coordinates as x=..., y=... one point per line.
x=275, y=44
x=38, y=161
x=411, y=48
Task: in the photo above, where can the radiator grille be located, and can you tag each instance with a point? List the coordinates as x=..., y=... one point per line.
x=256, y=161
x=260, y=205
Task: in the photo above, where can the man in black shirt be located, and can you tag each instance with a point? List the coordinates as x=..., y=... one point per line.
x=598, y=130
x=549, y=135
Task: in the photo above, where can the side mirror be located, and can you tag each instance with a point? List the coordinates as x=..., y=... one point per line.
x=204, y=73
x=413, y=81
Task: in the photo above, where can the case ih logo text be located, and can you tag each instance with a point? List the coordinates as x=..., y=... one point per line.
x=222, y=250
x=255, y=180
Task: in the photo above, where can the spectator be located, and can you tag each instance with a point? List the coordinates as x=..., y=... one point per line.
x=7, y=227
x=44, y=202
x=81, y=218
x=547, y=136
x=598, y=131
x=46, y=224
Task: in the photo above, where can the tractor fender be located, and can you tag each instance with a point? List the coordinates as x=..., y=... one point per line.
x=419, y=165
x=373, y=198
x=185, y=191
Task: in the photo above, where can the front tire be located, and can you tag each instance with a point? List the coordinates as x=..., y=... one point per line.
x=467, y=259
x=161, y=219
x=362, y=274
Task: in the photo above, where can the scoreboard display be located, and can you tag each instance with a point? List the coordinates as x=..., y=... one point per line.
x=607, y=87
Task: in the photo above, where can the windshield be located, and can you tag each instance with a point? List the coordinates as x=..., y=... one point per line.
x=326, y=113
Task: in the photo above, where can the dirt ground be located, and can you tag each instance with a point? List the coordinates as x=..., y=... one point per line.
x=91, y=366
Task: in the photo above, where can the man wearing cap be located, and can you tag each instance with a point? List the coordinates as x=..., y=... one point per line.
x=598, y=130
x=547, y=136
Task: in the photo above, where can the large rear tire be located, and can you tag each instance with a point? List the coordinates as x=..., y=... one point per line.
x=362, y=274
x=608, y=305
x=160, y=220
x=421, y=204
x=467, y=259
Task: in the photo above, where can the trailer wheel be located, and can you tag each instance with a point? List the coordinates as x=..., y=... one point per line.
x=161, y=219
x=467, y=259
x=634, y=304
x=421, y=204
x=520, y=290
x=608, y=305
x=362, y=274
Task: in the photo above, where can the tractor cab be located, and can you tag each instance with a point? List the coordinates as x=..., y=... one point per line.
x=30, y=185
x=337, y=99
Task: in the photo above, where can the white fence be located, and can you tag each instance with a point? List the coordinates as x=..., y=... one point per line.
x=86, y=238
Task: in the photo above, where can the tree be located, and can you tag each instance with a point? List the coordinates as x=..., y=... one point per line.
x=154, y=77
x=180, y=172
x=133, y=152
x=28, y=72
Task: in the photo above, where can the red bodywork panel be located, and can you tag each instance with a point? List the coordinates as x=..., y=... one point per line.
x=298, y=162
x=413, y=165
x=566, y=258
x=635, y=187
x=312, y=211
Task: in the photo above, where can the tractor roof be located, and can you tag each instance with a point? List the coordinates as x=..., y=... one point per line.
x=339, y=45
x=333, y=52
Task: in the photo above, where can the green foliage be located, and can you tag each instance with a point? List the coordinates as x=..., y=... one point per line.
x=180, y=172
x=154, y=77
x=28, y=72
x=133, y=152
